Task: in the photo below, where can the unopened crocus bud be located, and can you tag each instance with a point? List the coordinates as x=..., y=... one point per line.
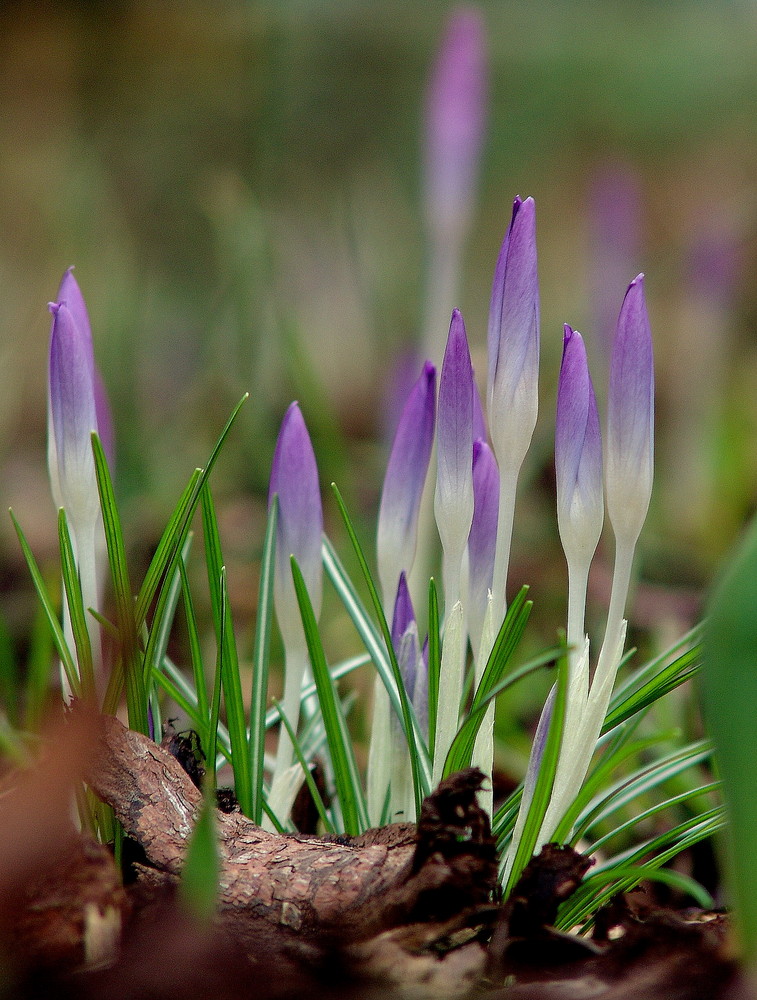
x=513, y=340
x=73, y=418
x=405, y=636
x=578, y=455
x=512, y=384
x=482, y=538
x=453, y=498
x=403, y=484
x=630, y=418
x=294, y=479
x=455, y=123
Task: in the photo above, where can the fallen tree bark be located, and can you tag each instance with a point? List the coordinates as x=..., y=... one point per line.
x=353, y=887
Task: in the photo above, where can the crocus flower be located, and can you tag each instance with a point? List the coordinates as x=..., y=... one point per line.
x=482, y=538
x=453, y=499
x=628, y=483
x=512, y=386
x=630, y=411
x=73, y=417
x=77, y=406
x=403, y=484
x=294, y=480
x=413, y=664
x=578, y=467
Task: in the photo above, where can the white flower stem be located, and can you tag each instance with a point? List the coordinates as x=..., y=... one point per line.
x=450, y=686
x=380, y=753
x=296, y=659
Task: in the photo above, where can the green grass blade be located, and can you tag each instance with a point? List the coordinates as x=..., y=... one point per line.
x=545, y=779
x=675, y=800
x=729, y=694
x=198, y=886
x=419, y=758
x=50, y=611
x=260, y=661
x=76, y=610
x=163, y=618
x=461, y=751
x=666, y=680
x=230, y=679
x=39, y=663
x=434, y=659
x=505, y=644
x=136, y=696
x=195, y=655
x=346, y=775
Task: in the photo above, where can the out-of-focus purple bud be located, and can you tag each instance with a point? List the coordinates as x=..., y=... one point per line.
x=403, y=484
x=453, y=499
x=578, y=455
x=294, y=478
x=73, y=417
x=630, y=418
x=483, y=537
x=513, y=341
x=455, y=123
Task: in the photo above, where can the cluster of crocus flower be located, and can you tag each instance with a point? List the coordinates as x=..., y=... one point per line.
x=478, y=460
x=474, y=502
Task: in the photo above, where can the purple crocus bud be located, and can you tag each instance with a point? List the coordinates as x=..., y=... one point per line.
x=72, y=417
x=453, y=499
x=403, y=484
x=630, y=418
x=294, y=478
x=455, y=123
x=578, y=455
x=513, y=341
x=405, y=636
x=483, y=538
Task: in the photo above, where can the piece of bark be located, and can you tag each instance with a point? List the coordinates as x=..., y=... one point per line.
x=349, y=888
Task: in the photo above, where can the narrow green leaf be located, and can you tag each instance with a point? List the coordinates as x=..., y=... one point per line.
x=198, y=887
x=39, y=663
x=260, y=660
x=51, y=613
x=195, y=654
x=136, y=696
x=77, y=613
x=545, y=778
x=434, y=659
x=163, y=617
x=461, y=751
x=419, y=758
x=230, y=679
x=346, y=775
x=729, y=693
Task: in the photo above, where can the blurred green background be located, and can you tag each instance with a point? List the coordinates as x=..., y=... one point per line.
x=239, y=186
